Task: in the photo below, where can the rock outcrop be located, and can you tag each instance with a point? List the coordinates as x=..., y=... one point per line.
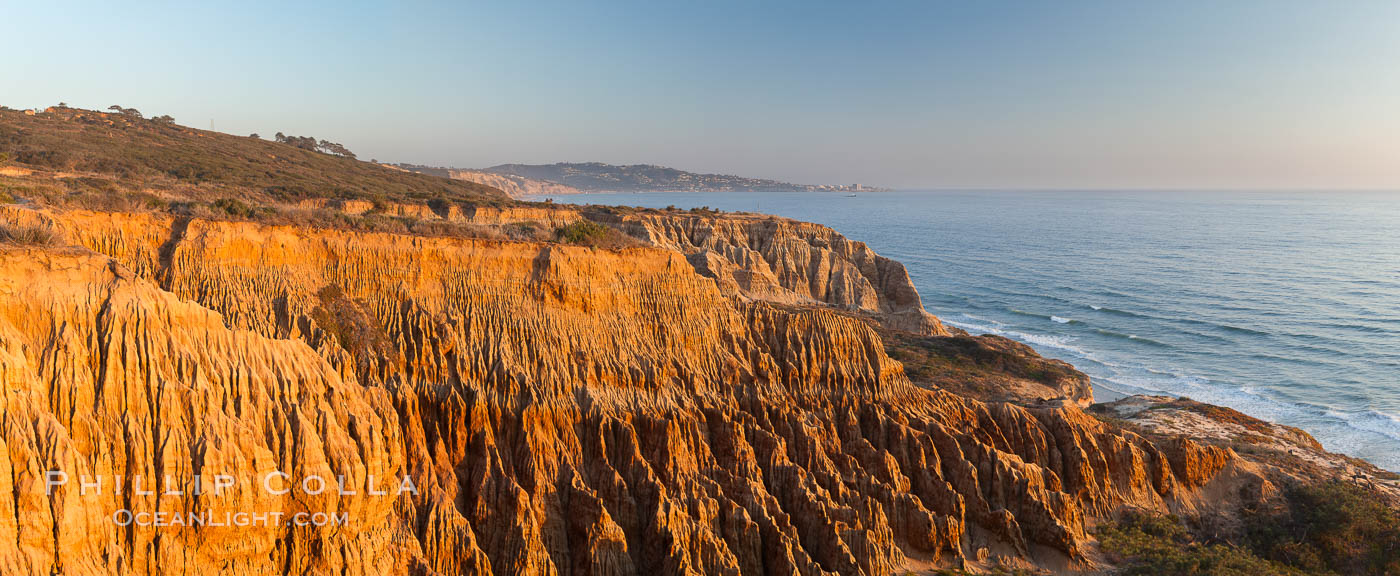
x=781, y=260
x=1201, y=434
x=987, y=367
x=557, y=409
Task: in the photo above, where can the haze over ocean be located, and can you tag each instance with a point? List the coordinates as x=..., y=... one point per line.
x=1285, y=306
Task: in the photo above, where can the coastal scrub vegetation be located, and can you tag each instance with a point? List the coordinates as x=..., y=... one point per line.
x=1151, y=545
x=157, y=155
x=235, y=207
x=589, y=233
x=1332, y=527
x=346, y=320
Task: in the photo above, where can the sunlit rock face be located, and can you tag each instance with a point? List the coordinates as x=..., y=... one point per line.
x=555, y=410
x=780, y=260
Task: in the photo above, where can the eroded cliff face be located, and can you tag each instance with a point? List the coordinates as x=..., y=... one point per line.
x=110, y=380
x=559, y=410
x=781, y=260
x=543, y=215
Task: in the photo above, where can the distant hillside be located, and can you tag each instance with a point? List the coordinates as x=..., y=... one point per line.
x=89, y=156
x=599, y=177
x=515, y=186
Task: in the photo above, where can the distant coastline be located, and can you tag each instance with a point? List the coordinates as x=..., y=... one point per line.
x=519, y=180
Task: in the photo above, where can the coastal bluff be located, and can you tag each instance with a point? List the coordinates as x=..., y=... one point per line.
x=560, y=409
x=223, y=355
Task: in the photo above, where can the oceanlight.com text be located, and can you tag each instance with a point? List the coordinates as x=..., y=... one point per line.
x=162, y=519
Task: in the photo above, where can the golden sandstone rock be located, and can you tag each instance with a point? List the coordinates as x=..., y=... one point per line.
x=712, y=404
x=776, y=259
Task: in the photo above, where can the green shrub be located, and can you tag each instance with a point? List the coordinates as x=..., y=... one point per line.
x=1152, y=545
x=353, y=328
x=590, y=233
x=1335, y=525
x=234, y=207
x=440, y=207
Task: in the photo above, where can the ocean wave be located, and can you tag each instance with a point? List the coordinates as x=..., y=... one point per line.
x=979, y=319
x=1109, y=293
x=1355, y=433
x=1208, y=336
x=1143, y=381
x=1127, y=313
x=1050, y=317
x=1387, y=425
x=1005, y=290
x=1221, y=326
x=1230, y=327
x=1057, y=342
x=1327, y=351
x=1347, y=326
x=1291, y=359
x=1132, y=337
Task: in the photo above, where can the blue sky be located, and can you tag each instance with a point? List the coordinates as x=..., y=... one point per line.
x=1074, y=94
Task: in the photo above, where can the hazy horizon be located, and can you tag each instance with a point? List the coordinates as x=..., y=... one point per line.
x=1250, y=95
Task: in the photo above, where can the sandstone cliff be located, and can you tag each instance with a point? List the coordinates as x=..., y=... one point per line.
x=515, y=186
x=561, y=410
x=781, y=260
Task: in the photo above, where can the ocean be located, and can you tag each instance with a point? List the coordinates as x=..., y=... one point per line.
x=1285, y=306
